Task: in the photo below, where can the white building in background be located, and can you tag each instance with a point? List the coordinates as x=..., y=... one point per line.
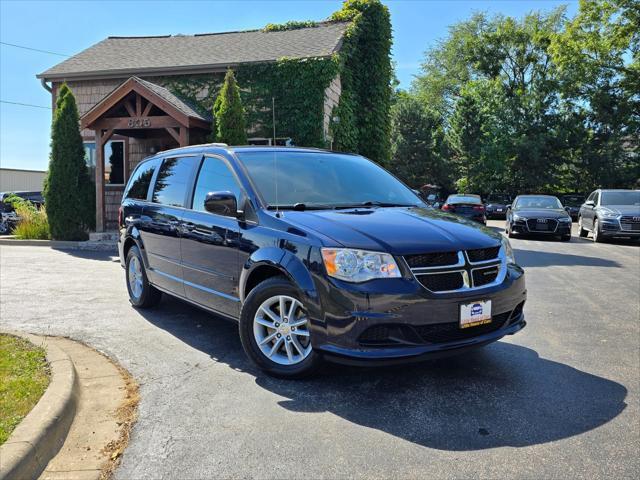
x=15, y=180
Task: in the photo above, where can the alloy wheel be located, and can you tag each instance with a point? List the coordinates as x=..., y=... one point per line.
x=135, y=277
x=280, y=328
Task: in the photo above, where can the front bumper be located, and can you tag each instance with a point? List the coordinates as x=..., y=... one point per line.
x=614, y=228
x=522, y=226
x=422, y=324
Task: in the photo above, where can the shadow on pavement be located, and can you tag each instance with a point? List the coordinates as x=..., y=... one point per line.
x=536, y=258
x=501, y=395
x=100, y=255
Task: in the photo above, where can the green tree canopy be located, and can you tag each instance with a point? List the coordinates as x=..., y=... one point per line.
x=539, y=103
x=69, y=192
x=417, y=144
x=229, y=114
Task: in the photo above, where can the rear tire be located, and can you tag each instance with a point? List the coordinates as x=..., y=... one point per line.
x=276, y=338
x=582, y=232
x=141, y=293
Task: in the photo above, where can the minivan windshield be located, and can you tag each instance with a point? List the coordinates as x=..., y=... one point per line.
x=538, y=202
x=631, y=197
x=299, y=179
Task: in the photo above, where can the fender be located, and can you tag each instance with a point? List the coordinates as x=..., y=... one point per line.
x=289, y=264
x=134, y=234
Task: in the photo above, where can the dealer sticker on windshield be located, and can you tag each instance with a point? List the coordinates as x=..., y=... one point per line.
x=475, y=313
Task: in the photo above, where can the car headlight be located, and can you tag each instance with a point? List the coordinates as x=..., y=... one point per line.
x=359, y=265
x=565, y=219
x=508, y=251
x=519, y=217
x=609, y=214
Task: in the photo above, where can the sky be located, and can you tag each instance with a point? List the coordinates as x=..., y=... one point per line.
x=67, y=27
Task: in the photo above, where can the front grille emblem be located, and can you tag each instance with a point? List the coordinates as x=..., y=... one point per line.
x=542, y=220
x=636, y=219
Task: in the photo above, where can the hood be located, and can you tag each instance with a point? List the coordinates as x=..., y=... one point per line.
x=541, y=212
x=400, y=230
x=622, y=209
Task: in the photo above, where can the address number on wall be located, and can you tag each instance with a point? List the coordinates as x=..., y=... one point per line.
x=138, y=122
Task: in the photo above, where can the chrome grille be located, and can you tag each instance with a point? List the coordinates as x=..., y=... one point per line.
x=542, y=224
x=428, y=260
x=483, y=254
x=442, y=282
x=630, y=223
x=458, y=271
x=485, y=275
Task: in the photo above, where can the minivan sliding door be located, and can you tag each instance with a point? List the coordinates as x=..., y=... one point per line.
x=160, y=232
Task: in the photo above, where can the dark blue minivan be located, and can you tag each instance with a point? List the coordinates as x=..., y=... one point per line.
x=318, y=255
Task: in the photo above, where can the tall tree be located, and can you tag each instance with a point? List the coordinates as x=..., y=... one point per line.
x=417, y=144
x=69, y=192
x=229, y=114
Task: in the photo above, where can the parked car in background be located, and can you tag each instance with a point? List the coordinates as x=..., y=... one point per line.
x=466, y=205
x=358, y=271
x=611, y=213
x=496, y=205
x=572, y=204
x=540, y=215
x=8, y=217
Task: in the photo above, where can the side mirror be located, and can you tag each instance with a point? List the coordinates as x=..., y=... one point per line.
x=221, y=203
x=508, y=206
x=590, y=203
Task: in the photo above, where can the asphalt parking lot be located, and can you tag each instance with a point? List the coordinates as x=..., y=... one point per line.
x=560, y=399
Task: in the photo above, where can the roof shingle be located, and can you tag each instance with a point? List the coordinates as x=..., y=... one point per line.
x=144, y=55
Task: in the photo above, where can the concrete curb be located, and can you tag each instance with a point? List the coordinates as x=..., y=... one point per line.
x=60, y=244
x=40, y=435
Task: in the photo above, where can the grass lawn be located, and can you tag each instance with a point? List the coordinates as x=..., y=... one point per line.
x=24, y=376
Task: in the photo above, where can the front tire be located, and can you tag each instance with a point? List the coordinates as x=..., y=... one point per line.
x=274, y=330
x=583, y=233
x=566, y=238
x=597, y=233
x=141, y=293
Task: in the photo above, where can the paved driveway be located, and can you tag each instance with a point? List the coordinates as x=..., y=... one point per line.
x=560, y=399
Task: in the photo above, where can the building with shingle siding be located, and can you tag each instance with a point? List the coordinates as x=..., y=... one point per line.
x=140, y=95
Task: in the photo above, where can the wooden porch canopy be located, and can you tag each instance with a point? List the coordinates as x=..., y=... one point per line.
x=139, y=109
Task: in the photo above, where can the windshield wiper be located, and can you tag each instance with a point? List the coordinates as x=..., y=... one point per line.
x=300, y=207
x=375, y=203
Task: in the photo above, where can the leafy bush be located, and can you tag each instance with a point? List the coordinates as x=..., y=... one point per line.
x=69, y=191
x=33, y=223
x=291, y=25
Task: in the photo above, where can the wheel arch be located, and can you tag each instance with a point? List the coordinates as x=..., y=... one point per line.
x=272, y=262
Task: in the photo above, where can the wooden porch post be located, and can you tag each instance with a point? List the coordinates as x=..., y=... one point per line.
x=184, y=136
x=99, y=182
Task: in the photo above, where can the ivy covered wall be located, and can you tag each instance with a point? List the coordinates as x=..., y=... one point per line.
x=360, y=120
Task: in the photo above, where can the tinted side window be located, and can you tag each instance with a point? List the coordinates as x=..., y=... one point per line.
x=591, y=197
x=139, y=182
x=214, y=176
x=596, y=198
x=172, y=181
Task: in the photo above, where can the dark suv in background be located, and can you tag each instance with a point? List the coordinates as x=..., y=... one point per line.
x=611, y=213
x=316, y=254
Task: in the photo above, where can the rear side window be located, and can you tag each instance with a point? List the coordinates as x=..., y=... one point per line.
x=173, y=180
x=214, y=176
x=139, y=182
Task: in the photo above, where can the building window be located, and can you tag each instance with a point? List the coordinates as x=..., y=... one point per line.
x=113, y=161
